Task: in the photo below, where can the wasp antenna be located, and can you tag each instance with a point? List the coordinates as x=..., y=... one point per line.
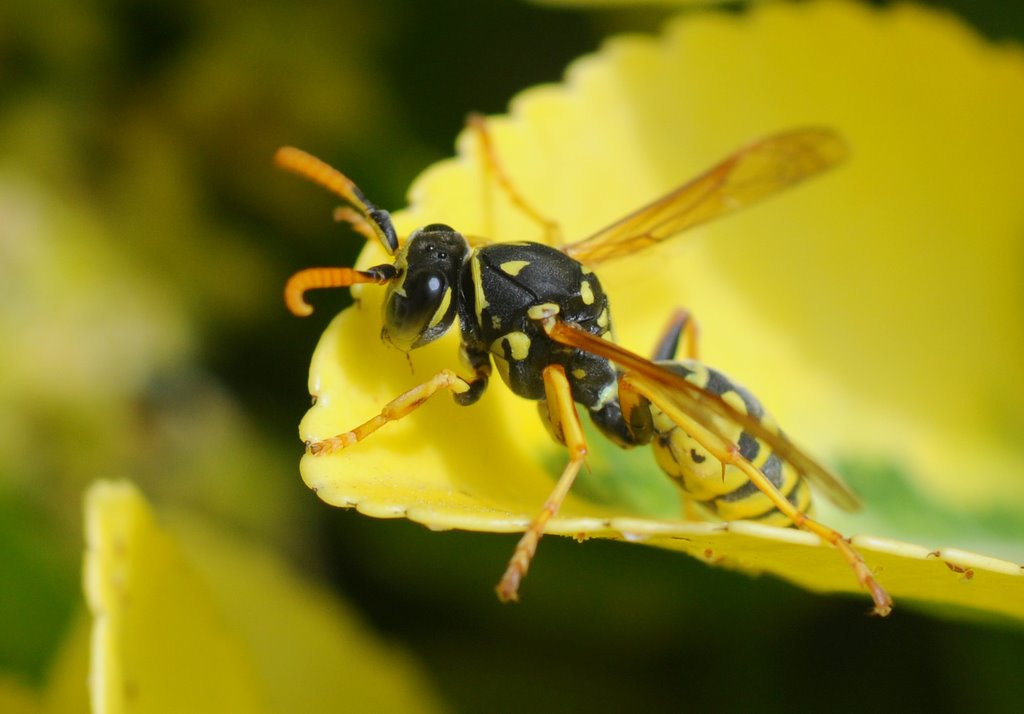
x=359, y=223
x=314, y=278
x=322, y=174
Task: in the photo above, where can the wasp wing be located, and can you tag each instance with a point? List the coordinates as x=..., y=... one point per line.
x=752, y=173
x=705, y=408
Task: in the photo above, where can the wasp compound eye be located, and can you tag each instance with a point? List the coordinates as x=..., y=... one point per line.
x=422, y=314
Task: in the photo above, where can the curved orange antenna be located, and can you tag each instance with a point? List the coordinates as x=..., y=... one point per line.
x=314, y=278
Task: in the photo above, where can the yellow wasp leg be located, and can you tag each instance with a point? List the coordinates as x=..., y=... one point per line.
x=883, y=602
x=552, y=233
x=566, y=422
x=729, y=453
x=392, y=411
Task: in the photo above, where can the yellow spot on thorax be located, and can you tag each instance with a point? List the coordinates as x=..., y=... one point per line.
x=586, y=292
x=478, y=287
x=513, y=267
x=402, y=266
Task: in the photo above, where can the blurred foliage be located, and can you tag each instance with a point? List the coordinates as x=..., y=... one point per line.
x=144, y=238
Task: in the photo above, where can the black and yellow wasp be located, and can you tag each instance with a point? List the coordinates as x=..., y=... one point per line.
x=538, y=313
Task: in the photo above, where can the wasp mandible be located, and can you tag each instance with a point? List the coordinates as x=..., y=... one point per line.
x=538, y=314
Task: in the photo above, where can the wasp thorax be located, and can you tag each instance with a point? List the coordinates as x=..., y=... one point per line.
x=422, y=300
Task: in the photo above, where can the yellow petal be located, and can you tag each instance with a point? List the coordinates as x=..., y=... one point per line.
x=152, y=617
x=873, y=310
x=203, y=622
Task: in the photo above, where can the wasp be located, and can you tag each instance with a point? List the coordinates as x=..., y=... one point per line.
x=537, y=313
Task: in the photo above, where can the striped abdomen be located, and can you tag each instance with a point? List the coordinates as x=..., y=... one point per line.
x=728, y=493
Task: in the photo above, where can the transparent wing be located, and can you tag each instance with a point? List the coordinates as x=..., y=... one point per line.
x=752, y=173
x=703, y=406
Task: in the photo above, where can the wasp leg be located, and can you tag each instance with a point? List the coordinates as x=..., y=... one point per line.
x=392, y=411
x=681, y=327
x=493, y=165
x=566, y=423
x=729, y=454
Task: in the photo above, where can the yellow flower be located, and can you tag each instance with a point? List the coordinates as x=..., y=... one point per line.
x=876, y=311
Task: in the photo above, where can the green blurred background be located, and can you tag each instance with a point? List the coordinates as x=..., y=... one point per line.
x=144, y=240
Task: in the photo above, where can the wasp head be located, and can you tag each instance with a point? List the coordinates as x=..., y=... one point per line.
x=422, y=299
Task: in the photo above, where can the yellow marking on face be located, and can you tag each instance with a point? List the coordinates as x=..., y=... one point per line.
x=579, y=373
x=478, y=287
x=512, y=267
x=401, y=265
x=586, y=292
x=442, y=308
